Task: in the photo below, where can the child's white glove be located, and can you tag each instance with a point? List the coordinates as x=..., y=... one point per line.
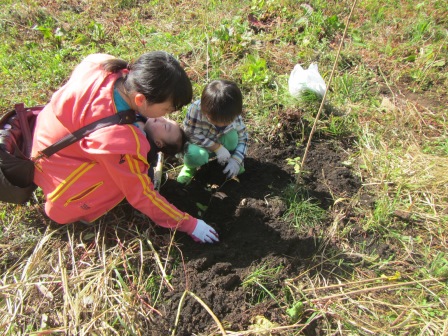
x=222, y=155
x=232, y=169
x=204, y=233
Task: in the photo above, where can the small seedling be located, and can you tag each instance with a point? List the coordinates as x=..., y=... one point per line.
x=296, y=162
x=296, y=311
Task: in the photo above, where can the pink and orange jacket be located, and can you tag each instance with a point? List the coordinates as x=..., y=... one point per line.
x=85, y=180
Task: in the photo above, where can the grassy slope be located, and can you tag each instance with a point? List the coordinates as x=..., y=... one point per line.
x=390, y=85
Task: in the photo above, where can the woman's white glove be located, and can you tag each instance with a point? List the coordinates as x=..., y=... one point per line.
x=222, y=155
x=204, y=233
x=232, y=169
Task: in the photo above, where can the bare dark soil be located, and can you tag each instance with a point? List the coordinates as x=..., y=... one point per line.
x=248, y=215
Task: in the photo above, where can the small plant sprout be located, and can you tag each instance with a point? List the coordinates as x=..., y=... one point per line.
x=295, y=311
x=296, y=163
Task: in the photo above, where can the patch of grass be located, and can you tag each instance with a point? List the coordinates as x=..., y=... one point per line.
x=302, y=212
x=436, y=147
x=338, y=126
x=262, y=282
x=381, y=216
x=382, y=266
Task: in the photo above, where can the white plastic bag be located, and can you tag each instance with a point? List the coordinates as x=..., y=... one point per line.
x=301, y=79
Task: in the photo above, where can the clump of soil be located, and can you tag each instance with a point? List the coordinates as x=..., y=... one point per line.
x=248, y=215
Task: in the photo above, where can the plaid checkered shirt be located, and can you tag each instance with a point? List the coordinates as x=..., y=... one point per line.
x=203, y=133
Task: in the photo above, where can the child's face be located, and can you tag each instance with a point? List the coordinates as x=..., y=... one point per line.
x=152, y=110
x=163, y=131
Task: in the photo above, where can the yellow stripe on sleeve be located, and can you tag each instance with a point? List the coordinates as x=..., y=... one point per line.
x=137, y=141
x=151, y=194
x=133, y=164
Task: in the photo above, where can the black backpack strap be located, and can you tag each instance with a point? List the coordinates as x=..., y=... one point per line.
x=120, y=118
x=25, y=127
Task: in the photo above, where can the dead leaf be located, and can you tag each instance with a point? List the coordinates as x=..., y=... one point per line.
x=220, y=195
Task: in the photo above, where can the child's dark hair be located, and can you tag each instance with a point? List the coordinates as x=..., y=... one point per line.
x=157, y=75
x=168, y=149
x=173, y=149
x=222, y=101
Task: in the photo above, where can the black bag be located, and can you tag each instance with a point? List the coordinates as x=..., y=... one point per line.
x=16, y=169
x=16, y=137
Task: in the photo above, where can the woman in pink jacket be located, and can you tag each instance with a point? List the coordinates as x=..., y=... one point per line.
x=85, y=180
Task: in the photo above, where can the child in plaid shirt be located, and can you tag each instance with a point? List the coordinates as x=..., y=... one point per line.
x=215, y=128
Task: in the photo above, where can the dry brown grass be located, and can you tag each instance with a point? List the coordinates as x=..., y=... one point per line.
x=108, y=278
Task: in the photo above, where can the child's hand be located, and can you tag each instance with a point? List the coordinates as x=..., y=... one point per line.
x=204, y=233
x=222, y=155
x=232, y=169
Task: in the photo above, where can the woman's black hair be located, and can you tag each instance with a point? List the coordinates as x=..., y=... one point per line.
x=157, y=75
x=222, y=101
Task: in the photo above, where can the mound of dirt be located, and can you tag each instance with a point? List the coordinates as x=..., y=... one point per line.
x=248, y=215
